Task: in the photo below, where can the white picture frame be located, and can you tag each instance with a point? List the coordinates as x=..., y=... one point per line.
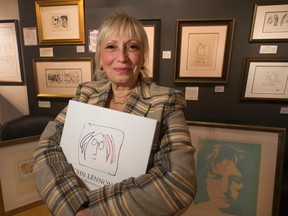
x=11, y=65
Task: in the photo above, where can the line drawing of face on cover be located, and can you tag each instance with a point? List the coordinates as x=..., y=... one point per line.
x=100, y=148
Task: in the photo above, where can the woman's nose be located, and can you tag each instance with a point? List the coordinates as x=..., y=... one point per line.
x=122, y=55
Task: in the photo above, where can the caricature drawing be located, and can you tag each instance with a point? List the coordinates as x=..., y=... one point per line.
x=100, y=148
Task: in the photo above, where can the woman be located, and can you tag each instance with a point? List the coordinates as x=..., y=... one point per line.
x=169, y=184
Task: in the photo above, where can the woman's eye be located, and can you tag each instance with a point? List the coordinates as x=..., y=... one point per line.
x=133, y=47
x=110, y=47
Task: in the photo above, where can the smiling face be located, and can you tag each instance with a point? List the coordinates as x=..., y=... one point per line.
x=223, y=184
x=122, y=50
x=121, y=56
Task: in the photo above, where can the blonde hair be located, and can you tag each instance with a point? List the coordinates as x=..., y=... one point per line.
x=118, y=24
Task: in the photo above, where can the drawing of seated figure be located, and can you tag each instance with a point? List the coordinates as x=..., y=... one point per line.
x=99, y=148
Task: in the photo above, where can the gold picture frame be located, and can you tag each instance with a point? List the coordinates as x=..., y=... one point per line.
x=59, y=77
x=17, y=187
x=60, y=22
x=203, y=50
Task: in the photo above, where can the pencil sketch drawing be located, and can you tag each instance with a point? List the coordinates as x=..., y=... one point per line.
x=270, y=80
x=63, y=77
x=60, y=22
x=276, y=22
x=202, y=49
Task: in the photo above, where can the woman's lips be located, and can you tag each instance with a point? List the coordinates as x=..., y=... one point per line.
x=122, y=69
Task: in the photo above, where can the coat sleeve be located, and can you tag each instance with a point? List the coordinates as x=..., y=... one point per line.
x=56, y=181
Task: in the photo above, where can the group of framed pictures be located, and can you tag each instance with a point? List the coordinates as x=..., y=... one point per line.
x=203, y=52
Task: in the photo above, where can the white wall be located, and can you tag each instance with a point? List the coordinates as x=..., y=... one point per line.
x=13, y=99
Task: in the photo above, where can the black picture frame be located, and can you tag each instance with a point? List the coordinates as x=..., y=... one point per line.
x=269, y=22
x=203, y=50
x=154, y=66
x=265, y=79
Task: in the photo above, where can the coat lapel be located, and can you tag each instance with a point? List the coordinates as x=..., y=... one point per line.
x=138, y=104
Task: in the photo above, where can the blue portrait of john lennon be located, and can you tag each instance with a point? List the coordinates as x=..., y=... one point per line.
x=228, y=177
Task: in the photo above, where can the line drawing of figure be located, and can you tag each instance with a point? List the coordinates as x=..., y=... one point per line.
x=100, y=148
x=284, y=20
x=273, y=20
x=72, y=77
x=54, y=77
x=202, y=53
x=60, y=22
x=64, y=21
x=227, y=178
x=271, y=79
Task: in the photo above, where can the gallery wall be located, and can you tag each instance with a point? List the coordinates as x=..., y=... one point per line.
x=210, y=106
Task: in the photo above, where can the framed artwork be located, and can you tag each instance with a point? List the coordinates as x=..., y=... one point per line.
x=203, y=50
x=237, y=165
x=59, y=78
x=18, y=187
x=153, y=31
x=265, y=78
x=60, y=22
x=270, y=23
x=11, y=70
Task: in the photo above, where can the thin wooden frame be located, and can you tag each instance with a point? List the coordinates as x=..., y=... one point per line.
x=11, y=70
x=153, y=31
x=59, y=78
x=265, y=78
x=60, y=22
x=18, y=188
x=269, y=23
x=203, y=50
x=255, y=177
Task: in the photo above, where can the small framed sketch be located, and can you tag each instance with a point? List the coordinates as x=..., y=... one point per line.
x=153, y=29
x=203, y=50
x=11, y=68
x=59, y=78
x=238, y=167
x=60, y=22
x=265, y=78
x=270, y=23
x=18, y=188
